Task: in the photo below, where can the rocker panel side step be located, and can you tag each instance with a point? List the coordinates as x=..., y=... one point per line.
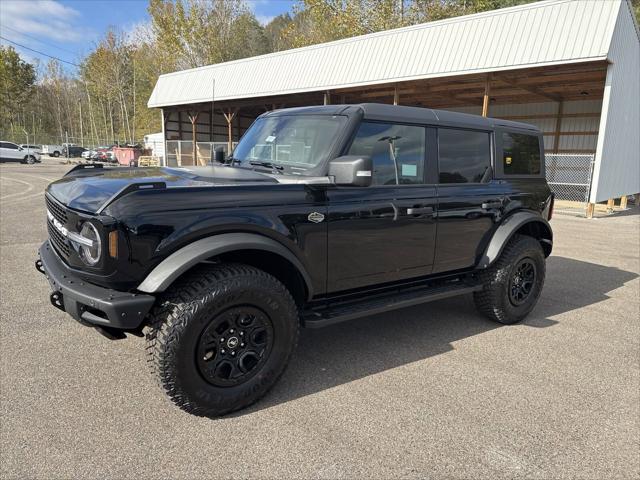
x=321, y=317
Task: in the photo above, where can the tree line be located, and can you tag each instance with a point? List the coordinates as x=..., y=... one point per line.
x=104, y=100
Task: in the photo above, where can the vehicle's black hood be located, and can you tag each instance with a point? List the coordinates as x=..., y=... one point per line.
x=88, y=190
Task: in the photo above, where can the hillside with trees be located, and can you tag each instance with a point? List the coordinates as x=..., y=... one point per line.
x=104, y=99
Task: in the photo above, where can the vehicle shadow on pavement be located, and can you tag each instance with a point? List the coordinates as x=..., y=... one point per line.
x=342, y=353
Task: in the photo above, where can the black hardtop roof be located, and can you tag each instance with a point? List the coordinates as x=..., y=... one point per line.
x=400, y=113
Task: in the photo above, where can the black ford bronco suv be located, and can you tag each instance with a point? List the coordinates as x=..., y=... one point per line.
x=321, y=214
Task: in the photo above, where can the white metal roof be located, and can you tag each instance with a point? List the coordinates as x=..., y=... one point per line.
x=543, y=33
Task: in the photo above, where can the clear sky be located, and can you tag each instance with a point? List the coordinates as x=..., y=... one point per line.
x=68, y=29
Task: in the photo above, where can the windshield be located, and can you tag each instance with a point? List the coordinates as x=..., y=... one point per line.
x=292, y=144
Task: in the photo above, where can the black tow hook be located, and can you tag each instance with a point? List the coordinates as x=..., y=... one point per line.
x=56, y=300
x=40, y=267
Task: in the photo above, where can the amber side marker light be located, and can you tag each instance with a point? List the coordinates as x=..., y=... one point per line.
x=113, y=244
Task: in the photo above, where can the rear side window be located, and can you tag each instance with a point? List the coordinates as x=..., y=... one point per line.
x=386, y=142
x=464, y=155
x=520, y=154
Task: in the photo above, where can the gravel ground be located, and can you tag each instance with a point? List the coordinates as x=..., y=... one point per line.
x=431, y=391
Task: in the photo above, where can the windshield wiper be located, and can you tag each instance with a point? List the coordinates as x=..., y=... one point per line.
x=270, y=165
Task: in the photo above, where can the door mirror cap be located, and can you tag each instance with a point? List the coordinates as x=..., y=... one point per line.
x=351, y=170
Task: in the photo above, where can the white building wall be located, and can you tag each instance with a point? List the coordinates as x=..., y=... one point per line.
x=617, y=167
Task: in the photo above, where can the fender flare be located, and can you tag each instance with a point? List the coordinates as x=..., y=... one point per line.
x=164, y=274
x=507, y=229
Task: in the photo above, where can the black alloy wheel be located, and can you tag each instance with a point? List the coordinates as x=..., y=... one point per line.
x=234, y=346
x=522, y=281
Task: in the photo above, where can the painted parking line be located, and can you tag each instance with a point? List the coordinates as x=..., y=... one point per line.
x=27, y=190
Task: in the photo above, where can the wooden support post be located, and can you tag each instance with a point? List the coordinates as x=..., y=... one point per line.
x=556, y=141
x=637, y=199
x=623, y=202
x=396, y=95
x=486, y=98
x=229, y=118
x=193, y=117
x=327, y=98
x=610, y=205
x=590, y=209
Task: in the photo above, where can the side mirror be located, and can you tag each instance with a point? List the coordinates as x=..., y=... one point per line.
x=352, y=170
x=218, y=155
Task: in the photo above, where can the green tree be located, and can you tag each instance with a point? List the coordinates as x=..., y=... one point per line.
x=17, y=79
x=203, y=32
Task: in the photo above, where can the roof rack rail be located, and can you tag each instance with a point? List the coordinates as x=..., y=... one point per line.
x=133, y=187
x=82, y=166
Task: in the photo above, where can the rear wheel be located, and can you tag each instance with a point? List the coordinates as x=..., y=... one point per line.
x=56, y=154
x=221, y=338
x=512, y=285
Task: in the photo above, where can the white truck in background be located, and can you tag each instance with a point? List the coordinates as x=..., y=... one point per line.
x=52, y=150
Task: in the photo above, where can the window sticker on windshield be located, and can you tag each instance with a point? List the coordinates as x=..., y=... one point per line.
x=270, y=138
x=409, y=170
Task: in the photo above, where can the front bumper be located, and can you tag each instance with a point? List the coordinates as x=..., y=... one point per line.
x=87, y=303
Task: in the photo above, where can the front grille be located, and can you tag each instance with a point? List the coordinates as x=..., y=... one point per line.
x=58, y=240
x=60, y=243
x=58, y=211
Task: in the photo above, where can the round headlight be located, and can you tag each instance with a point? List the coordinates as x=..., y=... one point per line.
x=90, y=255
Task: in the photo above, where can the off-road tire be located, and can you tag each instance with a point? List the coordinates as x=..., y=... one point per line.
x=494, y=300
x=181, y=316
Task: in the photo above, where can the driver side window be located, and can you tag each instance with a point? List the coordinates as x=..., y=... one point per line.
x=397, y=152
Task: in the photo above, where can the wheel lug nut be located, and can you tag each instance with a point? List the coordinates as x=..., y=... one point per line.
x=231, y=331
x=233, y=354
x=242, y=334
x=223, y=351
x=242, y=344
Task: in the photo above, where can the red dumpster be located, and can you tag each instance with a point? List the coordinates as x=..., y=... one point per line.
x=128, y=155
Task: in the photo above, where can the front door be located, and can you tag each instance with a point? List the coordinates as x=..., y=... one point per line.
x=385, y=232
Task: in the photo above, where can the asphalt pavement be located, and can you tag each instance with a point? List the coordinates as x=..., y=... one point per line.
x=432, y=391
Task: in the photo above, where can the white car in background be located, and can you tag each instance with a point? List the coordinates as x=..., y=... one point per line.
x=10, y=152
x=33, y=148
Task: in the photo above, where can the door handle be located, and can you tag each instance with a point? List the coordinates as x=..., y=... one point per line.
x=490, y=205
x=420, y=210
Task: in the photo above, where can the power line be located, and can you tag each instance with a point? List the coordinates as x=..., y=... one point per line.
x=39, y=52
x=38, y=40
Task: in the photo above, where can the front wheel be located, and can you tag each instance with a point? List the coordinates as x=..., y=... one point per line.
x=221, y=338
x=56, y=154
x=30, y=159
x=512, y=285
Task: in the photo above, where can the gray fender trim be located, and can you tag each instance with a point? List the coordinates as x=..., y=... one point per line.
x=182, y=260
x=505, y=231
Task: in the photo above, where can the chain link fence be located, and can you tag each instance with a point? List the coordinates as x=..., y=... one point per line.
x=569, y=177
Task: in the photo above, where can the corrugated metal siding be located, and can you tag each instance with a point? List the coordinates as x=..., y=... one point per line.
x=617, y=163
x=543, y=33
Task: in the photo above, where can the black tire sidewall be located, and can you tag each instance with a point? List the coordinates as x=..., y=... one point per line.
x=188, y=377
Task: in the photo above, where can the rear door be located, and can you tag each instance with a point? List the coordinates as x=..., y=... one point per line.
x=385, y=232
x=470, y=202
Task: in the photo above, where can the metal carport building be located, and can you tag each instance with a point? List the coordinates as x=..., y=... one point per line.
x=571, y=67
